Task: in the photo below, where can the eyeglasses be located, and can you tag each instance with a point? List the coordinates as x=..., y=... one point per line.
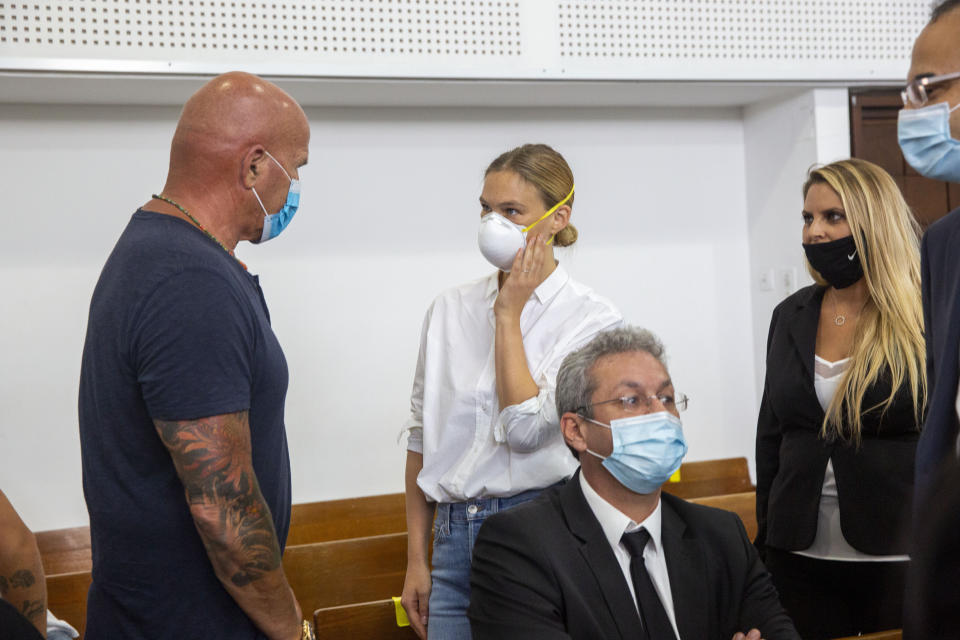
x=915, y=93
x=644, y=404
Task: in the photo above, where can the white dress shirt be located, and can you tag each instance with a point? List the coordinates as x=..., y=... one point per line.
x=470, y=448
x=615, y=523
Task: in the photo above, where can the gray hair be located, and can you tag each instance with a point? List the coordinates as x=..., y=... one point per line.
x=575, y=385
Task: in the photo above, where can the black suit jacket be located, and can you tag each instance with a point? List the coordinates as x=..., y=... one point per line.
x=940, y=257
x=931, y=608
x=544, y=570
x=874, y=481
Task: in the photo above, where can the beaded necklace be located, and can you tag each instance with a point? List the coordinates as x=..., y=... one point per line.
x=200, y=226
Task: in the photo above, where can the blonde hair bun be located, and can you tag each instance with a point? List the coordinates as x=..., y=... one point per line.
x=566, y=236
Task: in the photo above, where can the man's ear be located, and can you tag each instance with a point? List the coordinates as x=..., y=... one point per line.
x=252, y=166
x=572, y=429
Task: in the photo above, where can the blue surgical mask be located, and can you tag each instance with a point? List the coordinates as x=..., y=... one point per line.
x=647, y=450
x=274, y=223
x=926, y=142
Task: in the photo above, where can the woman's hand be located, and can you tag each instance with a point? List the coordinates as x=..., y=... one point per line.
x=525, y=276
x=415, y=597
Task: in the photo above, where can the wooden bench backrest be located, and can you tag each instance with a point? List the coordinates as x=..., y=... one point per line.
x=67, y=597
x=349, y=518
x=68, y=550
x=364, y=621
x=743, y=504
x=64, y=550
x=323, y=574
x=711, y=478
x=330, y=574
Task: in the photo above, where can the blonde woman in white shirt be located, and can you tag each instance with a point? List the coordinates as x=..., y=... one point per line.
x=483, y=429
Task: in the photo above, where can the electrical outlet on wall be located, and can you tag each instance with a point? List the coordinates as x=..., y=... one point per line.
x=787, y=279
x=767, y=280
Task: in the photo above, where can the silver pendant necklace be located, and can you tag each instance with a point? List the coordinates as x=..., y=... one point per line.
x=838, y=318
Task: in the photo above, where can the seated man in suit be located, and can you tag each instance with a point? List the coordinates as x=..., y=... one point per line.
x=606, y=555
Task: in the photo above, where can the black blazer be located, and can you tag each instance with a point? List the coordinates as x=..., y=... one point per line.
x=940, y=258
x=931, y=607
x=874, y=481
x=544, y=570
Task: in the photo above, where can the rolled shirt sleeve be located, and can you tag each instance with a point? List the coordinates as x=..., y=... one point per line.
x=526, y=426
x=413, y=427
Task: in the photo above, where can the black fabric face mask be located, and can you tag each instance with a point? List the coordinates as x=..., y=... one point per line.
x=837, y=261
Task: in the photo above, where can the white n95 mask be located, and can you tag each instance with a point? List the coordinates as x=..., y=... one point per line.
x=500, y=239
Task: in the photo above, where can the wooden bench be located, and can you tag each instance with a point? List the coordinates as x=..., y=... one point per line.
x=68, y=550
x=349, y=518
x=323, y=574
x=711, y=478
x=64, y=550
x=743, y=504
x=360, y=621
x=340, y=572
x=377, y=620
x=67, y=597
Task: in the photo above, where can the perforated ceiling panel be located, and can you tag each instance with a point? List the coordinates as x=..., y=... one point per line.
x=618, y=39
x=335, y=27
x=740, y=29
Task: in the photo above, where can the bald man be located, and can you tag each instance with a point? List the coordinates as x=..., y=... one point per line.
x=185, y=465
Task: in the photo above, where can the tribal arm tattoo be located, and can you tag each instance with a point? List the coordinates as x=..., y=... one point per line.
x=212, y=457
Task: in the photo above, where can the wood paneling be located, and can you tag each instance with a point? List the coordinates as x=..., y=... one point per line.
x=743, y=504
x=67, y=597
x=64, y=550
x=330, y=574
x=364, y=621
x=710, y=478
x=349, y=518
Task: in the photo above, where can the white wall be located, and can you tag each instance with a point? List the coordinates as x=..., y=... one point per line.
x=783, y=138
x=388, y=219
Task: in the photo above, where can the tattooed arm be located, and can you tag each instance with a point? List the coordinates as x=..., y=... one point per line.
x=212, y=457
x=21, y=572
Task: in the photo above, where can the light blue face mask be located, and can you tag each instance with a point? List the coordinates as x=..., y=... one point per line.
x=274, y=223
x=926, y=142
x=647, y=450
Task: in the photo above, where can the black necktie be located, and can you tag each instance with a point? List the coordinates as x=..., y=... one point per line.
x=654, y=617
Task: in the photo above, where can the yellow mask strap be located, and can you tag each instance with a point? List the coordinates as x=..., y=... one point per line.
x=551, y=210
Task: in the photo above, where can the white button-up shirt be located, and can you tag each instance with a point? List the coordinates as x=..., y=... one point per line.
x=615, y=523
x=470, y=448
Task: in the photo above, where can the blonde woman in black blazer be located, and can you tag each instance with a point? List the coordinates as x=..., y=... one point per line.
x=842, y=407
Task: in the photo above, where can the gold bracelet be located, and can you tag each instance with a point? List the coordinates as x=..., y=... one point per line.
x=306, y=631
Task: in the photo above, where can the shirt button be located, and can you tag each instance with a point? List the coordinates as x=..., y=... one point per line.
x=472, y=509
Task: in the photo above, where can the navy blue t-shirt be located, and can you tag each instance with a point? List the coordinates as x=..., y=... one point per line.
x=178, y=330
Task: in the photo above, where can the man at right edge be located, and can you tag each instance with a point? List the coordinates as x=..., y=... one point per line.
x=928, y=131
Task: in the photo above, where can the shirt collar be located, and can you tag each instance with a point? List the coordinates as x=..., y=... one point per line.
x=547, y=289
x=615, y=523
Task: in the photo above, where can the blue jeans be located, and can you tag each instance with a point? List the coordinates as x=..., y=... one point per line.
x=454, y=533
